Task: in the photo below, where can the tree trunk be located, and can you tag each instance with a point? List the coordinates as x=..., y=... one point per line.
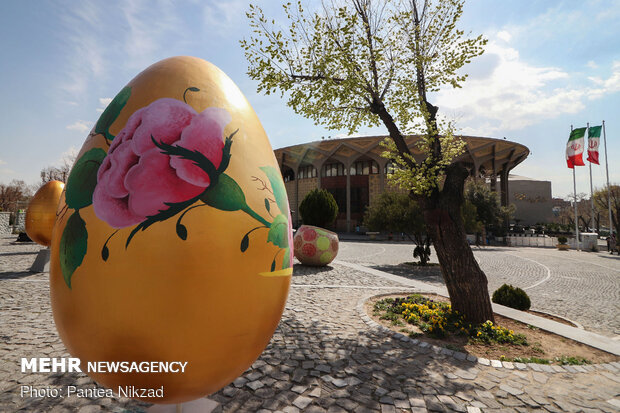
x=466, y=282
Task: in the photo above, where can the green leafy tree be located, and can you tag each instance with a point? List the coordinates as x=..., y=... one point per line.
x=318, y=208
x=486, y=202
x=489, y=211
x=470, y=218
x=397, y=212
x=365, y=62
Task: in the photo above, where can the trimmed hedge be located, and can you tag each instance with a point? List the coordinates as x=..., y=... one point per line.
x=512, y=297
x=318, y=208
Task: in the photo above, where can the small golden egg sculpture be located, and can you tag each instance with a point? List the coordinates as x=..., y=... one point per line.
x=173, y=241
x=41, y=212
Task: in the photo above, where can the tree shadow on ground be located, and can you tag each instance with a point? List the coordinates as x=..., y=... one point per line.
x=11, y=275
x=302, y=270
x=611, y=257
x=430, y=274
x=8, y=254
x=475, y=248
x=355, y=372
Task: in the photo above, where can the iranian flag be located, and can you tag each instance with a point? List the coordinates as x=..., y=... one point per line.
x=594, y=138
x=574, y=148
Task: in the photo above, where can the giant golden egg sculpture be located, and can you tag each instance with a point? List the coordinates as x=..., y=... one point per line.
x=173, y=242
x=41, y=212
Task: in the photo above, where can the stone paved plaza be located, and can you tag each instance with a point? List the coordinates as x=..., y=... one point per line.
x=565, y=283
x=325, y=358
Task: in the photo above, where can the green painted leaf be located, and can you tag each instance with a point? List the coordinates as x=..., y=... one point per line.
x=277, y=186
x=110, y=113
x=245, y=243
x=83, y=179
x=226, y=195
x=73, y=245
x=181, y=231
x=273, y=265
x=286, y=261
x=267, y=205
x=105, y=253
x=278, y=232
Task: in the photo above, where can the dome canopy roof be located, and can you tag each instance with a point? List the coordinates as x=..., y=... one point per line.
x=488, y=156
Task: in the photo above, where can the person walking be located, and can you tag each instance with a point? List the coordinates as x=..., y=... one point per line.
x=612, y=243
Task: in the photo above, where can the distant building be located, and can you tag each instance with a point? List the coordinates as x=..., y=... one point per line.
x=532, y=199
x=559, y=204
x=353, y=170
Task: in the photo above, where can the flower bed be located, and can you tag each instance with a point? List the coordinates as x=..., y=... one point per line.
x=431, y=318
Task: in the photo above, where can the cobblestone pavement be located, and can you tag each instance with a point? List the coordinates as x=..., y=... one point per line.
x=322, y=358
x=581, y=286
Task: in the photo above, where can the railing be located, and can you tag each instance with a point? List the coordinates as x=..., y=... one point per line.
x=542, y=241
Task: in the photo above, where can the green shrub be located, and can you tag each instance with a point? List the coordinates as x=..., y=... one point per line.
x=536, y=360
x=571, y=360
x=562, y=240
x=513, y=297
x=318, y=208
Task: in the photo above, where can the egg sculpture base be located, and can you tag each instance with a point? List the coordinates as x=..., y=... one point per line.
x=42, y=261
x=195, y=406
x=172, y=243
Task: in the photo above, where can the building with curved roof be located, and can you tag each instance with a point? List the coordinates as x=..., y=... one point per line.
x=354, y=171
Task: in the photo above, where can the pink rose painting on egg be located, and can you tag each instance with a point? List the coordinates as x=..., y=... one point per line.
x=126, y=192
x=167, y=160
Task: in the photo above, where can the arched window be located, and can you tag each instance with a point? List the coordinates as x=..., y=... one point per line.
x=307, y=171
x=389, y=168
x=287, y=174
x=333, y=169
x=364, y=167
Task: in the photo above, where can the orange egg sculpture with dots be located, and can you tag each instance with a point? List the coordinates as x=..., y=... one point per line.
x=173, y=237
x=315, y=246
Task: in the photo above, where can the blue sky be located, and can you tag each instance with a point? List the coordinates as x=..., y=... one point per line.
x=548, y=64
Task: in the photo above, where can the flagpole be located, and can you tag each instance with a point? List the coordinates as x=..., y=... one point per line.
x=608, y=188
x=591, y=188
x=575, y=203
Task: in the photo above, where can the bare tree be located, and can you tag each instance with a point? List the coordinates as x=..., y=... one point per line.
x=601, y=201
x=14, y=196
x=58, y=173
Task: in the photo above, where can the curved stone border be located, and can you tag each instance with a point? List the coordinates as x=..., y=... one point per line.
x=575, y=323
x=613, y=367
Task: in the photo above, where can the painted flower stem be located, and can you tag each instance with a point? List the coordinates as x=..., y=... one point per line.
x=187, y=210
x=193, y=89
x=254, y=215
x=254, y=229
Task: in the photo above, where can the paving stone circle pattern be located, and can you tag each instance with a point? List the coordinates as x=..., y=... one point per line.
x=325, y=355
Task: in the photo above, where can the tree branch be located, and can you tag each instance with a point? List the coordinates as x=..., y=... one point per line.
x=316, y=77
